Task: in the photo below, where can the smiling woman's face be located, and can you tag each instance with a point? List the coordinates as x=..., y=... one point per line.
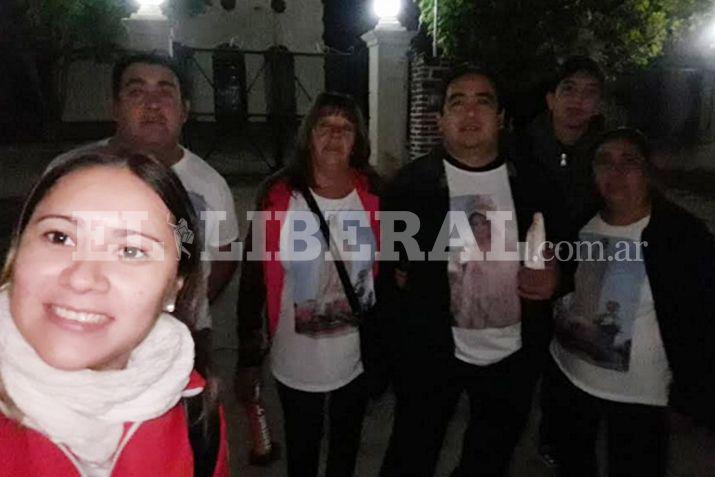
x=93, y=269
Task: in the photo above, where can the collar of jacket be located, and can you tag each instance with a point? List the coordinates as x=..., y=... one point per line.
x=541, y=130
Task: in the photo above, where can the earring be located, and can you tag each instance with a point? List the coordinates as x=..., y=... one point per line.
x=170, y=308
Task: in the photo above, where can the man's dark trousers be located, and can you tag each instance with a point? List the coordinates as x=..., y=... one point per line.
x=499, y=398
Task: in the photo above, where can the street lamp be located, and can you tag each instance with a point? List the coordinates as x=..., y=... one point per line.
x=149, y=9
x=387, y=11
x=148, y=29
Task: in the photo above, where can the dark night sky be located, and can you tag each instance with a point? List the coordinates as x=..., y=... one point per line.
x=345, y=21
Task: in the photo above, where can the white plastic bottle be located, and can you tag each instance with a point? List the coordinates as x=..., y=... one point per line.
x=535, y=240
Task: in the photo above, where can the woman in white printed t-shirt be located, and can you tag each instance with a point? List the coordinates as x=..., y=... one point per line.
x=636, y=335
x=315, y=353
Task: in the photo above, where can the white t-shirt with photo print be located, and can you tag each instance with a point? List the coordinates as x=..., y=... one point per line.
x=316, y=346
x=484, y=301
x=607, y=340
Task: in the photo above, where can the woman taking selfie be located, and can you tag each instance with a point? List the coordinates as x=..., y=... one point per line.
x=96, y=356
x=315, y=350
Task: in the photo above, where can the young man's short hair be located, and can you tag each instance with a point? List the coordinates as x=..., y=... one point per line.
x=151, y=59
x=465, y=69
x=578, y=64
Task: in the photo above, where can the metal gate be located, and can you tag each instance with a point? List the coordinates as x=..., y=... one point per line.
x=242, y=91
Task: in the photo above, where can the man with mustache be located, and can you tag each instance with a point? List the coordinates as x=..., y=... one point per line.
x=150, y=106
x=441, y=346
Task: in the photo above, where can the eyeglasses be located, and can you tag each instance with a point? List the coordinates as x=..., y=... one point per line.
x=329, y=129
x=627, y=166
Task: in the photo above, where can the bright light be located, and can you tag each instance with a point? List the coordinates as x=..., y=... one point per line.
x=149, y=8
x=709, y=37
x=387, y=9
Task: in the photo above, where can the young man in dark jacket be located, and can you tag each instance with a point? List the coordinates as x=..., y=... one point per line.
x=557, y=145
x=558, y=142
x=458, y=319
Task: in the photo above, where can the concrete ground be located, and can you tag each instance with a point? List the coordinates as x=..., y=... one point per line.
x=692, y=450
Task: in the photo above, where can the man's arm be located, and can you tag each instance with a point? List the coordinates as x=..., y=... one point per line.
x=221, y=274
x=225, y=234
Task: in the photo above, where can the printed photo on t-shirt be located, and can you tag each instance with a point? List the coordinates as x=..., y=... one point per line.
x=321, y=308
x=483, y=292
x=595, y=322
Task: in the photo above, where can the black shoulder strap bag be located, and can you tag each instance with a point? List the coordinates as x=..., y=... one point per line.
x=371, y=344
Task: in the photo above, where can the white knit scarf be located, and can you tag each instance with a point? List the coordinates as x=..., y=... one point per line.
x=85, y=410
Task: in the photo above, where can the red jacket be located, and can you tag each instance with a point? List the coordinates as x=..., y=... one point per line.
x=158, y=448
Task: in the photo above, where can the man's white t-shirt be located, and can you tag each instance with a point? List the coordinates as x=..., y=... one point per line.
x=208, y=191
x=316, y=346
x=484, y=301
x=607, y=340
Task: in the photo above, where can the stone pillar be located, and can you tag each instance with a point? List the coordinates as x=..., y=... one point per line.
x=149, y=30
x=388, y=44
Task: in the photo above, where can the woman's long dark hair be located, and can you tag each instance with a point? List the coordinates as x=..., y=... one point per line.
x=299, y=171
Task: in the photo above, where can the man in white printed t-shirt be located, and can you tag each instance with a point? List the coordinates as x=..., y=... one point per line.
x=150, y=108
x=464, y=321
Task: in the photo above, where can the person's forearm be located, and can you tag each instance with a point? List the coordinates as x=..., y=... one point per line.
x=221, y=275
x=250, y=310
